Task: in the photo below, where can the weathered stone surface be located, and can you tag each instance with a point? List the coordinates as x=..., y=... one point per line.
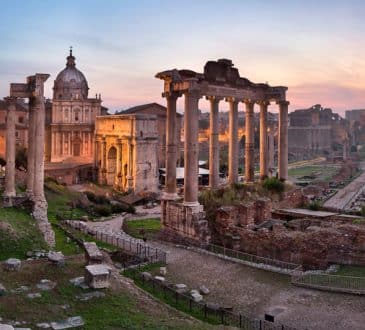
x=43, y=325
x=204, y=290
x=21, y=289
x=181, y=288
x=56, y=257
x=163, y=271
x=34, y=295
x=196, y=297
x=90, y=295
x=71, y=322
x=92, y=253
x=2, y=290
x=6, y=327
x=97, y=276
x=146, y=275
x=46, y=285
x=160, y=278
x=12, y=264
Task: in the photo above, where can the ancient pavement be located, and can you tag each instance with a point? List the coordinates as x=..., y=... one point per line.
x=255, y=292
x=344, y=196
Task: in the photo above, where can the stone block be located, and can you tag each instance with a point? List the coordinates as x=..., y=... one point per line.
x=97, y=276
x=146, y=275
x=160, y=278
x=46, y=285
x=6, y=327
x=197, y=297
x=2, y=290
x=71, y=322
x=204, y=290
x=92, y=253
x=12, y=264
x=163, y=271
x=181, y=288
x=56, y=258
x=34, y=295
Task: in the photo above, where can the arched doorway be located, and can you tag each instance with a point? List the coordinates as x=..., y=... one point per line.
x=111, y=166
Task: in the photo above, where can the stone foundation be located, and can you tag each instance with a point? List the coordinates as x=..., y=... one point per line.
x=184, y=223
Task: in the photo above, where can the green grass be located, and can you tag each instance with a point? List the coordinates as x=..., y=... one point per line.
x=18, y=234
x=356, y=271
x=321, y=172
x=150, y=226
x=119, y=309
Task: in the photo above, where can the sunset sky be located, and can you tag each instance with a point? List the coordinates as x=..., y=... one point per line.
x=316, y=48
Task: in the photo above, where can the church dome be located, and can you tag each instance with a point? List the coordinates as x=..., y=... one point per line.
x=70, y=83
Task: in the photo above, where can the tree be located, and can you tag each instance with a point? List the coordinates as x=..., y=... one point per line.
x=21, y=159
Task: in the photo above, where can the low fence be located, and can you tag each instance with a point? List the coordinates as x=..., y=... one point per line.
x=134, y=246
x=207, y=312
x=253, y=260
x=327, y=282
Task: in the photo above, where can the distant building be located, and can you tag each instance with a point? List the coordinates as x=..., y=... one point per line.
x=21, y=133
x=356, y=119
x=316, y=131
x=159, y=111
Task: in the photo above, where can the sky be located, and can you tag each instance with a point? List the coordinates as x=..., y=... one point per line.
x=314, y=47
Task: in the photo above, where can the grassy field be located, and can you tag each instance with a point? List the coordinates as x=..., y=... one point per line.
x=356, y=271
x=144, y=227
x=18, y=234
x=123, y=306
x=320, y=172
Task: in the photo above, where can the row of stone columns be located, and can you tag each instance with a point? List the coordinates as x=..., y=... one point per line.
x=191, y=143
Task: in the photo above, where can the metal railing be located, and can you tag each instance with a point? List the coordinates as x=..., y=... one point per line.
x=201, y=310
x=131, y=245
x=349, y=284
x=250, y=258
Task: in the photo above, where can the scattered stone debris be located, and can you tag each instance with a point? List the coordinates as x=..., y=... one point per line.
x=21, y=289
x=6, y=327
x=146, y=275
x=181, y=288
x=34, y=295
x=43, y=325
x=163, y=271
x=46, y=285
x=92, y=253
x=2, y=290
x=196, y=295
x=56, y=258
x=66, y=306
x=204, y=290
x=90, y=295
x=97, y=276
x=80, y=282
x=12, y=264
x=37, y=254
x=71, y=322
x=213, y=306
x=160, y=278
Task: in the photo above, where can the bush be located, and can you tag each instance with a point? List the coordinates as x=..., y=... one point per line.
x=103, y=210
x=273, y=184
x=314, y=205
x=97, y=199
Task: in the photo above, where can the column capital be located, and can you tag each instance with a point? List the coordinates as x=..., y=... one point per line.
x=283, y=102
x=248, y=102
x=213, y=98
x=232, y=99
x=263, y=102
x=172, y=95
x=10, y=100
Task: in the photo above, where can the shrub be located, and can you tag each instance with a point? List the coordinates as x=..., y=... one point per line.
x=97, y=199
x=103, y=210
x=314, y=205
x=273, y=184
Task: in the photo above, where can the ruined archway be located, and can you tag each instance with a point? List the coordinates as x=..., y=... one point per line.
x=111, y=166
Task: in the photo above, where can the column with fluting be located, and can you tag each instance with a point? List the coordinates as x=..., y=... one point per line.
x=10, y=191
x=283, y=140
x=249, y=144
x=233, y=143
x=214, y=142
x=263, y=140
x=191, y=148
x=31, y=150
x=171, y=146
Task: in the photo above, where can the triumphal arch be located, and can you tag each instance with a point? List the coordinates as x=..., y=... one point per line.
x=220, y=81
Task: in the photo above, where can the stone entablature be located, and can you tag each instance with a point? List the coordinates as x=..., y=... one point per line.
x=126, y=152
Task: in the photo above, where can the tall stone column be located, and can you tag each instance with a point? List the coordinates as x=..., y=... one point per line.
x=214, y=142
x=191, y=148
x=233, y=143
x=10, y=192
x=283, y=140
x=119, y=164
x=130, y=166
x=31, y=150
x=249, y=144
x=263, y=140
x=171, y=147
x=103, y=161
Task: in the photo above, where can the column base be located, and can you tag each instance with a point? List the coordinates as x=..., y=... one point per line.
x=169, y=196
x=8, y=200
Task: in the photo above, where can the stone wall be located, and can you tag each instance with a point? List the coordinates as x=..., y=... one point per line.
x=184, y=224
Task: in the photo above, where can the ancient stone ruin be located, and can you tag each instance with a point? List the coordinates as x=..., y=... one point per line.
x=220, y=80
x=33, y=89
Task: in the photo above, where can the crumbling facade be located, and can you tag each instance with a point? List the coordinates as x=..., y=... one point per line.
x=220, y=81
x=126, y=152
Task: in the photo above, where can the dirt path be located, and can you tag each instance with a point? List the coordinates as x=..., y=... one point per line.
x=256, y=292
